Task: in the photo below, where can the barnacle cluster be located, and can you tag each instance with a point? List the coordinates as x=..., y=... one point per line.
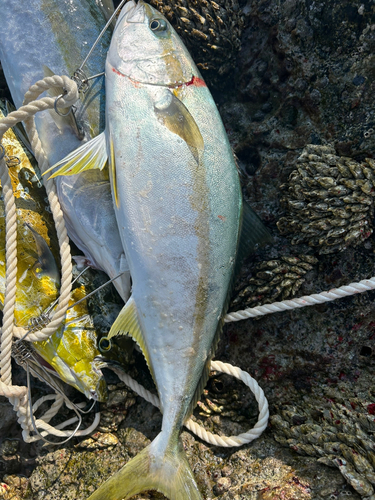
x=271, y=280
x=337, y=434
x=211, y=29
x=330, y=200
x=217, y=401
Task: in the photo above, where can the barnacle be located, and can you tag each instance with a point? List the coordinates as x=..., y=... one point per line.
x=329, y=199
x=272, y=280
x=338, y=435
x=211, y=30
x=221, y=398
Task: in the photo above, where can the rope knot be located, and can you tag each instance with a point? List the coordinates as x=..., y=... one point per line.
x=70, y=95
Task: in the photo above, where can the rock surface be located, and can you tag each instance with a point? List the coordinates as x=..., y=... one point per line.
x=304, y=75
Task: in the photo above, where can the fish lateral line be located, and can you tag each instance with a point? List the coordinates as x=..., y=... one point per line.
x=195, y=81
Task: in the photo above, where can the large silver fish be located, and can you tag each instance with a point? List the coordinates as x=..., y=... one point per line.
x=42, y=37
x=178, y=205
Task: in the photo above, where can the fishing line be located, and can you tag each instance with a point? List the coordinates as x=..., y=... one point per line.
x=77, y=76
x=22, y=353
x=96, y=290
x=32, y=418
x=43, y=319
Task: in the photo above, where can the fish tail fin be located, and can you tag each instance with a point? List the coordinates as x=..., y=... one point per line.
x=168, y=472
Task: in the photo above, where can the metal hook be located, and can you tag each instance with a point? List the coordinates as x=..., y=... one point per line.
x=57, y=100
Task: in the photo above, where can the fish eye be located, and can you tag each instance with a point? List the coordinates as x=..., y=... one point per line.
x=158, y=25
x=105, y=344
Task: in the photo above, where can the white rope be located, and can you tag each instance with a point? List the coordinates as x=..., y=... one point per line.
x=197, y=429
x=307, y=300
x=18, y=396
x=26, y=113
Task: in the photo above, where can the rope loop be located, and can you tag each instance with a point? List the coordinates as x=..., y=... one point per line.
x=197, y=429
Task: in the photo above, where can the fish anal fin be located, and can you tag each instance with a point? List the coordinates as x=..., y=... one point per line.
x=169, y=473
x=91, y=155
x=127, y=323
x=178, y=119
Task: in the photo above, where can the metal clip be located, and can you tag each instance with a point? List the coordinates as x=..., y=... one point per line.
x=21, y=352
x=39, y=322
x=81, y=80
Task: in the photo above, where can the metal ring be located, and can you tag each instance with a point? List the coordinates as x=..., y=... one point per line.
x=2, y=152
x=55, y=105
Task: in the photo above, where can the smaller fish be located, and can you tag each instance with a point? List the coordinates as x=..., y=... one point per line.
x=70, y=353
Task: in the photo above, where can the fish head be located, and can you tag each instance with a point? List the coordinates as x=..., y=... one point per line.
x=146, y=48
x=90, y=380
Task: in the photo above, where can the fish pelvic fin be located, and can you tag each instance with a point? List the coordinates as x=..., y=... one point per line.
x=168, y=472
x=91, y=155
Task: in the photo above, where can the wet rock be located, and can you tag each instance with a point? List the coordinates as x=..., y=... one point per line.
x=99, y=441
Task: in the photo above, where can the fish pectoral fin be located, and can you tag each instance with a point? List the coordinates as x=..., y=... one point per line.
x=91, y=155
x=168, y=472
x=253, y=233
x=62, y=121
x=178, y=119
x=127, y=323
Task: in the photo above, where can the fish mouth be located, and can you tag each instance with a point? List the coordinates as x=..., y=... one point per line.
x=134, y=12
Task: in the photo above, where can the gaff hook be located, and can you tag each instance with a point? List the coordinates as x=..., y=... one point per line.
x=56, y=102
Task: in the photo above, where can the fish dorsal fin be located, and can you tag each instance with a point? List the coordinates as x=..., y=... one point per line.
x=127, y=323
x=178, y=119
x=91, y=155
x=69, y=119
x=253, y=233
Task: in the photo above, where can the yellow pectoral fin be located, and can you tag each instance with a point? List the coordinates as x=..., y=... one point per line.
x=127, y=323
x=91, y=155
x=177, y=118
